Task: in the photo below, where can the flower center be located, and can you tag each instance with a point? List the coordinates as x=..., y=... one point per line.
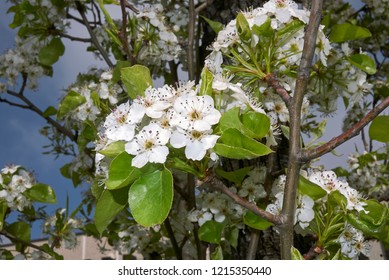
x=148, y=144
x=196, y=134
x=195, y=115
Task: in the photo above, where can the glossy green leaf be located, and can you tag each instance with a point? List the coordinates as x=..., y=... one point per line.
x=236, y=176
x=216, y=26
x=21, y=230
x=258, y=124
x=150, y=197
x=116, y=75
x=41, y=193
x=335, y=198
x=50, y=54
x=296, y=255
x=49, y=111
x=363, y=62
x=347, y=32
x=232, y=235
x=233, y=144
x=310, y=189
x=243, y=27
x=206, y=82
x=217, y=254
x=379, y=129
x=110, y=203
x=113, y=149
x=254, y=221
x=71, y=101
x=264, y=30
x=3, y=210
x=252, y=124
x=121, y=173
x=376, y=214
x=136, y=79
x=211, y=231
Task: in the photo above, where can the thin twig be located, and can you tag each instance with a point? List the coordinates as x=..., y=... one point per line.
x=73, y=38
x=104, y=54
x=280, y=90
x=19, y=240
x=313, y=153
x=173, y=240
x=3, y=100
x=123, y=32
x=215, y=183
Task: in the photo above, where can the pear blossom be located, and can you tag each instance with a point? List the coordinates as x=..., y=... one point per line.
x=196, y=143
x=195, y=113
x=154, y=102
x=149, y=145
x=304, y=212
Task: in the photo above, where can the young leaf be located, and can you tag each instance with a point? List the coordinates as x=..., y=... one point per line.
x=310, y=189
x=236, y=176
x=206, y=82
x=216, y=26
x=136, y=79
x=41, y=193
x=243, y=28
x=150, y=197
x=363, y=62
x=217, y=254
x=211, y=231
x=379, y=129
x=71, y=101
x=347, y=32
x=255, y=221
x=258, y=124
x=3, y=210
x=110, y=203
x=296, y=255
x=233, y=144
x=113, y=149
x=50, y=54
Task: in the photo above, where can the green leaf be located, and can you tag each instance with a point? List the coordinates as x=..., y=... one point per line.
x=296, y=255
x=179, y=164
x=258, y=124
x=347, y=32
x=211, y=231
x=335, y=198
x=150, y=197
x=136, y=79
x=217, y=254
x=50, y=54
x=113, y=149
x=116, y=75
x=376, y=213
x=254, y=221
x=22, y=231
x=233, y=144
x=110, y=203
x=310, y=189
x=232, y=236
x=216, y=26
x=379, y=129
x=41, y=193
x=206, y=82
x=252, y=124
x=71, y=101
x=121, y=173
x=264, y=30
x=49, y=112
x=3, y=211
x=363, y=62
x=236, y=176
x=243, y=28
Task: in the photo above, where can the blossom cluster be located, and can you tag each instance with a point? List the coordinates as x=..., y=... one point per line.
x=178, y=116
x=62, y=229
x=14, y=181
x=353, y=242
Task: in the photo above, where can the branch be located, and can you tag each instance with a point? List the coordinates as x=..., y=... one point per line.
x=123, y=32
x=73, y=38
x=313, y=153
x=3, y=100
x=31, y=106
x=80, y=9
x=220, y=186
x=280, y=90
x=17, y=239
x=173, y=239
x=294, y=164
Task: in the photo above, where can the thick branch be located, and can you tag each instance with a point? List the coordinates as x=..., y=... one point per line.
x=294, y=164
x=219, y=185
x=313, y=153
x=104, y=54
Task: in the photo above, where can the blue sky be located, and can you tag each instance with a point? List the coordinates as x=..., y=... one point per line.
x=20, y=140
